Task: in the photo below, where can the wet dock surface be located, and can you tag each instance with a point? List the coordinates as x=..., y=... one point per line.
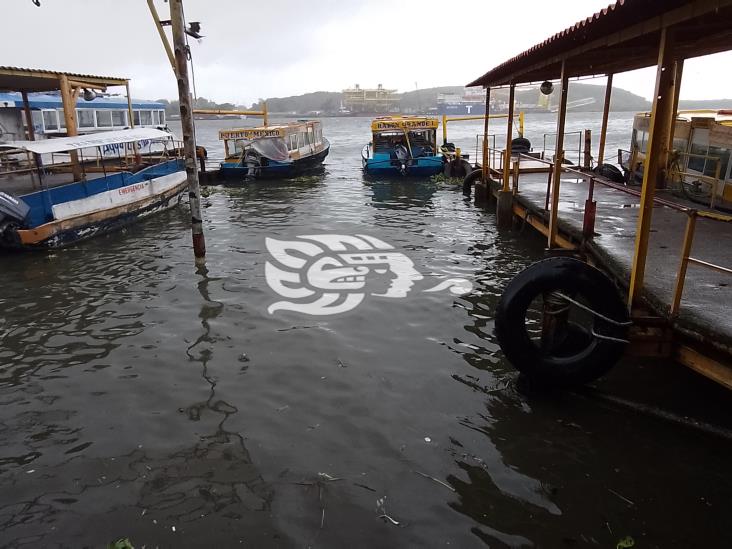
x=707, y=294
x=142, y=398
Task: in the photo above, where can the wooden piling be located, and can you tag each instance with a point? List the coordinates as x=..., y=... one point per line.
x=186, y=118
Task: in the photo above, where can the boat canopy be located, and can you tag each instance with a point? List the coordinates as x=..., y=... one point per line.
x=404, y=123
x=100, y=139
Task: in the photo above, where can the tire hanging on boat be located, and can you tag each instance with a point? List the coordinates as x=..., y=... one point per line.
x=575, y=352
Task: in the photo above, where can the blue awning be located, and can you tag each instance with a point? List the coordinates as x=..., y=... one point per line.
x=52, y=101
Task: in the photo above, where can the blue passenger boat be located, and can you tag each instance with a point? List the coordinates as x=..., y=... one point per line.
x=85, y=185
x=403, y=145
x=273, y=152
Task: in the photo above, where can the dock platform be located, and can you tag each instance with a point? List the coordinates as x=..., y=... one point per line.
x=704, y=313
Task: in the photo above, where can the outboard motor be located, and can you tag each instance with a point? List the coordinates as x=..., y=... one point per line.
x=13, y=213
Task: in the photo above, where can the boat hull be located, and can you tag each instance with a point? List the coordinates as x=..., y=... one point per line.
x=383, y=166
x=275, y=170
x=81, y=220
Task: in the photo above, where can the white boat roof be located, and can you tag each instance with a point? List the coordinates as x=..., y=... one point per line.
x=61, y=144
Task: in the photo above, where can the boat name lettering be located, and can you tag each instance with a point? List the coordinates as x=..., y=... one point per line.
x=132, y=188
x=249, y=134
x=119, y=147
x=403, y=124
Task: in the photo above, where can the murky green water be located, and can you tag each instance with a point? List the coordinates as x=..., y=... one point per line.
x=142, y=398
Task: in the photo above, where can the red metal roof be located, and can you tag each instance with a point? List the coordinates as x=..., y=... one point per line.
x=613, y=19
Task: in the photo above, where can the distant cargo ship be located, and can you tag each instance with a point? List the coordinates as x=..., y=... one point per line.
x=472, y=102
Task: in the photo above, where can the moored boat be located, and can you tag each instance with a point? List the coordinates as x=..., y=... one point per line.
x=699, y=157
x=275, y=151
x=403, y=145
x=127, y=175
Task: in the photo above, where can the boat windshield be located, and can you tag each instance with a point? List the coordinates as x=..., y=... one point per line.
x=420, y=143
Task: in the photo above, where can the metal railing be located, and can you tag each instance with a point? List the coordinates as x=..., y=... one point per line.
x=580, y=140
x=589, y=217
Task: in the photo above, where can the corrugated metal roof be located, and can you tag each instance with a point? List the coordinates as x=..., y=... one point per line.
x=615, y=18
x=41, y=72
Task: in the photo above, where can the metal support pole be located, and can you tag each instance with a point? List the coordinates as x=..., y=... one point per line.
x=653, y=167
x=186, y=118
x=265, y=114
x=605, y=116
x=558, y=157
x=587, y=162
x=444, y=129
x=486, y=156
x=509, y=137
x=521, y=124
x=685, y=251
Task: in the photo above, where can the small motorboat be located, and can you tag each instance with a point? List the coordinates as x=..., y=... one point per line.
x=272, y=152
x=56, y=192
x=403, y=146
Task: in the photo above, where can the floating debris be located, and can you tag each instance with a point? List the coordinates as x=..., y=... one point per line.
x=329, y=478
x=438, y=481
x=427, y=439
x=626, y=500
x=625, y=543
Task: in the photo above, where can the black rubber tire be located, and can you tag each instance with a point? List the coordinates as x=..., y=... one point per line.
x=520, y=145
x=470, y=179
x=572, y=277
x=611, y=172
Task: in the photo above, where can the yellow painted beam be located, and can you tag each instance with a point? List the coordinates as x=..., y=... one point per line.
x=605, y=116
x=653, y=168
x=558, y=157
x=509, y=137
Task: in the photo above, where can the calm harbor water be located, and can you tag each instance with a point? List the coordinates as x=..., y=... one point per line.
x=142, y=398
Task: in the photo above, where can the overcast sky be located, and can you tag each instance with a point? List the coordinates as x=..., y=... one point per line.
x=275, y=48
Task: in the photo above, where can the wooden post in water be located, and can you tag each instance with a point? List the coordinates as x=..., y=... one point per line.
x=186, y=119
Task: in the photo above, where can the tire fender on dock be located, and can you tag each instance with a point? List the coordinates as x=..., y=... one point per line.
x=587, y=350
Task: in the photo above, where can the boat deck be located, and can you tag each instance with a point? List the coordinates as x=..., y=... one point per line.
x=705, y=307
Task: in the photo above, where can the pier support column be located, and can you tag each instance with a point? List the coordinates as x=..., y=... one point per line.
x=504, y=206
x=504, y=209
x=605, y=116
x=654, y=168
x=558, y=158
x=486, y=155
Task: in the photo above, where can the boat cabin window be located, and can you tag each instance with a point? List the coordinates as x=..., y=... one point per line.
x=318, y=134
x=711, y=165
x=104, y=119
x=50, y=120
x=119, y=118
x=162, y=117
x=292, y=142
x=61, y=119
x=640, y=140
x=85, y=118
x=145, y=118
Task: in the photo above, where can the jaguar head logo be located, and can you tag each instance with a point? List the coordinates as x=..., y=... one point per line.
x=330, y=274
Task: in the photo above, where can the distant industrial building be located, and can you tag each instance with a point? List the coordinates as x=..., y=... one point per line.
x=365, y=100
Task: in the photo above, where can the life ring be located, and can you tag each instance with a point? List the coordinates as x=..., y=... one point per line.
x=591, y=336
x=470, y=179
x=610, y=172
